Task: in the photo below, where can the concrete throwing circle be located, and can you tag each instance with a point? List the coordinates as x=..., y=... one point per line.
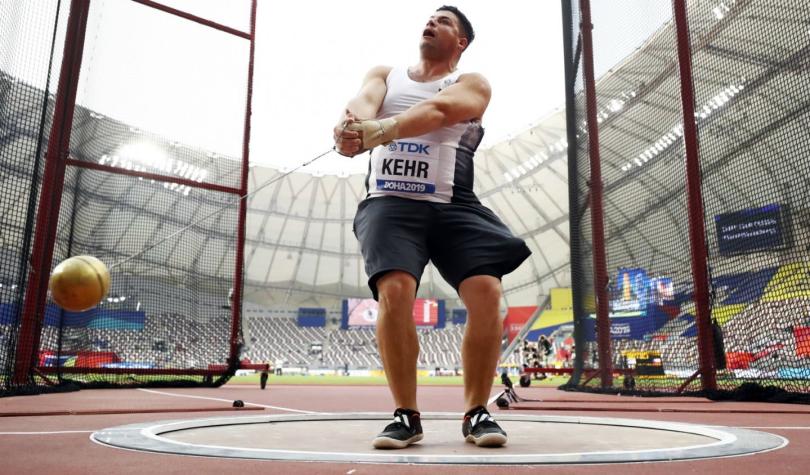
x=347, y=438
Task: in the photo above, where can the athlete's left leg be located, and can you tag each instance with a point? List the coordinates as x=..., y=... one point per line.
x=481, y=346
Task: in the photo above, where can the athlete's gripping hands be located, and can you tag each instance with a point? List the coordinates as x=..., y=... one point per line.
x=364, y=105
x=375, y=132
x=358, y=131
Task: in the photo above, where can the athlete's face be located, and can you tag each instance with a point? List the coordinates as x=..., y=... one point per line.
x=442, y=36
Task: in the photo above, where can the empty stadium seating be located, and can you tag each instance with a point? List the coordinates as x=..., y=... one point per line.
x=280, y=339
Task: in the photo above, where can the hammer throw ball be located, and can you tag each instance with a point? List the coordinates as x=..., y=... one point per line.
x=79, y=283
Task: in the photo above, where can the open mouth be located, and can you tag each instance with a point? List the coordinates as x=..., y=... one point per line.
x=428, y=33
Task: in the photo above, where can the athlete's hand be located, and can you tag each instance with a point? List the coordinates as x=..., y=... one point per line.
x=347, y=142
x=375, y=132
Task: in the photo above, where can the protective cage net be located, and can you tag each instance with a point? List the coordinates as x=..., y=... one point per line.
x=750, y=107
x=167, y=308
x=582, y=280
x=753, y=105
x=145, y=107
x=30, y=54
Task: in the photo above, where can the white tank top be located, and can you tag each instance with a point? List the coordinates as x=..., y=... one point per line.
x=437, y=166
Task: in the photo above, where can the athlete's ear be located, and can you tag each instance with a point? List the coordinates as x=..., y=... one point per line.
x=462, y=41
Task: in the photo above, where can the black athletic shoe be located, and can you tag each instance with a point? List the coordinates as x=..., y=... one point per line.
x=406, y=429
x=481, y=429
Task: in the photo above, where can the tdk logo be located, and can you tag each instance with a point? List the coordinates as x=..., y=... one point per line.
x=409, y=147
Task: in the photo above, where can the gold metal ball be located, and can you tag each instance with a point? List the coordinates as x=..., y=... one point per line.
x=79, y=283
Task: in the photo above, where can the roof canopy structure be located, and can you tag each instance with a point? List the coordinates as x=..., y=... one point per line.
x=300, y=248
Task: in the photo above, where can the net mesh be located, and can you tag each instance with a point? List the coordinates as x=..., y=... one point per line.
x=168, y=307
x=750, y=105
x=645, y=206
x=644, y=202
x=582, y=282
x=752, y=110
x=142, y=107
x=29, y=49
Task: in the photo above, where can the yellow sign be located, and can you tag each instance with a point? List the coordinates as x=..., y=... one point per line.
x=641, y=355
x=791, y=281
x=561, y=299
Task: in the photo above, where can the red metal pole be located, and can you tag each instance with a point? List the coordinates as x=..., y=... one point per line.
x=697, y=233
x=194, y=18
x=137, y=371
x=213, y=370
x=50, y=198
x=597, y=216
x=238, y=277
x=154, y=176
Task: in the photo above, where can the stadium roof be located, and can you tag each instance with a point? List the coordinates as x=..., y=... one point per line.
x=300, y=248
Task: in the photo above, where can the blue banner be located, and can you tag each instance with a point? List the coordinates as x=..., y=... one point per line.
x=751, y=230
x=459, y=316
x=95, y=318
x=311, y=317
x=630, y=328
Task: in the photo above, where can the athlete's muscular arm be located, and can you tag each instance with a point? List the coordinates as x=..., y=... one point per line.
x=363, y=106
x=467, y=99
x=370, y=97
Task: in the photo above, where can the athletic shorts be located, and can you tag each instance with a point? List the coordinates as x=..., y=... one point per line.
x=462, y=240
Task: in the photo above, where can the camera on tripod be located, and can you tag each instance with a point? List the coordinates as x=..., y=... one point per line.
x=509, y=395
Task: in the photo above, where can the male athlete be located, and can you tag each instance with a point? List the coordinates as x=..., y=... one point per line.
x=422, y=125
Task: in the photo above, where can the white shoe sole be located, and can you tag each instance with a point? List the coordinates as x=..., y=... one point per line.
x=389, y=443
x=487, y=440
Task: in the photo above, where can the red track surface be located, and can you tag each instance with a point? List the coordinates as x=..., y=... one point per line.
x=73, y=452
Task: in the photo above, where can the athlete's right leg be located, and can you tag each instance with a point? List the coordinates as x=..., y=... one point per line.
x=396, y=336
x=399, y=347
x=392, y=233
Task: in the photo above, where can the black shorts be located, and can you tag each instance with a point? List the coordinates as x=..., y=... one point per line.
x=461, y=239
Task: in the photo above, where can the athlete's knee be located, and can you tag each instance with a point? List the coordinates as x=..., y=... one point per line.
x=395, y=287
x=482, y=288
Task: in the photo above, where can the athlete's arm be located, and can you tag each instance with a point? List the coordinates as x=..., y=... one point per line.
x=370, y=97
x=467, y=99
x=363, y=106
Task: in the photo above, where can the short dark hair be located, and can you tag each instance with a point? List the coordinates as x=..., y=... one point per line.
x=469, y=33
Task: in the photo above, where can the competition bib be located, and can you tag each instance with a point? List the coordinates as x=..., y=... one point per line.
x=409, y=167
